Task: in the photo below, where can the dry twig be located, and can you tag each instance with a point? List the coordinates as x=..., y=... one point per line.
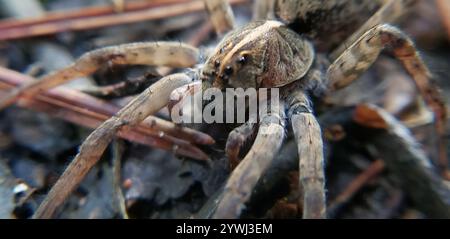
x=88, y=111
x=117, y=167
x=82, y=13
x=79, y=22
x=354, y=186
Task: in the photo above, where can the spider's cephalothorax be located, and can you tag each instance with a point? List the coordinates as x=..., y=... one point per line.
x=262, y=54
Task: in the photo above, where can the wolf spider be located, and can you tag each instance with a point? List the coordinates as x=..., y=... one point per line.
x=281, y=53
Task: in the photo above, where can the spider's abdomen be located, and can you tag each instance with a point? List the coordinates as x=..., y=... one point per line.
x=261, y=54
x=328, y=22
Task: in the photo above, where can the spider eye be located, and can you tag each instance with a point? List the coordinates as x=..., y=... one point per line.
x=217, y=63
x=242, y=59
x=228, y=70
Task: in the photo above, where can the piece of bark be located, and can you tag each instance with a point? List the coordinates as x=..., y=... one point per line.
x=407, y=162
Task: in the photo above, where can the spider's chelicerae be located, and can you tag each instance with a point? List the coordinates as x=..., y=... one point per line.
x=277, y=53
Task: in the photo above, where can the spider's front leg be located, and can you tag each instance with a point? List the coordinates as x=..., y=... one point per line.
x=263, y=9
x=354, y=61
x=237, y=138
x=390, y=11
x=172, y=54
x=308, y=137
x=148, y=102
x=221, y=15
x=243, y=179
